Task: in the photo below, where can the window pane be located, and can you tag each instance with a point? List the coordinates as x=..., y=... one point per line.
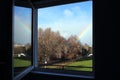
x=65, y=37
x=22, y=39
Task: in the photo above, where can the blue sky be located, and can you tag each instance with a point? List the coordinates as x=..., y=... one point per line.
x=70, y=19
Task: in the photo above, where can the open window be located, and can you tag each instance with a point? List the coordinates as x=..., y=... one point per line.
x=53, y=39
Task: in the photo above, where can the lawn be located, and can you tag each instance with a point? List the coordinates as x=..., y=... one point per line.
x=85, y=65
x=21, y=63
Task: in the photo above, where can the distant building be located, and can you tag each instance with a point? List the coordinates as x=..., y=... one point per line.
x=19, y=49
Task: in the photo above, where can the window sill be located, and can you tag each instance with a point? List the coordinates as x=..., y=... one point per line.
x=73, y=74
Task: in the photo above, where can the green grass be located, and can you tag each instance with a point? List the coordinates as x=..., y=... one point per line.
x=21, y=63
x=85, y=65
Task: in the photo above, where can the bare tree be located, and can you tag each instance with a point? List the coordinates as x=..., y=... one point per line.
x=53, y=46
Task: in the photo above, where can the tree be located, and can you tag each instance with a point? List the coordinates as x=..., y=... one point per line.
x=28, y=51
x=54, y=46
x=74, y=47
x=19, y=49
x=50, y=44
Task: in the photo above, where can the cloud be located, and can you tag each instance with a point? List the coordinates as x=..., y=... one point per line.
x=68, y=13
x=76, y=8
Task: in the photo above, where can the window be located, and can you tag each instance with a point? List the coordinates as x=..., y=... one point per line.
x=22, y=44
x=65, y=38
x=58, y=40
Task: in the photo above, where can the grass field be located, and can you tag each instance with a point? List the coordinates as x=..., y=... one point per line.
x=21, y=63
x=81, y=65
x=85, y=65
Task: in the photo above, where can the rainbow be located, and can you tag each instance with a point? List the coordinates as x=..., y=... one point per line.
x=23, y=24
x=81, y=34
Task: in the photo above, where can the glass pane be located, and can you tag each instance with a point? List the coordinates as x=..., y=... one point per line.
x=22, y=39
x=65, y=37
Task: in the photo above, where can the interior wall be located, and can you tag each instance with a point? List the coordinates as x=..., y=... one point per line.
x=6, y=39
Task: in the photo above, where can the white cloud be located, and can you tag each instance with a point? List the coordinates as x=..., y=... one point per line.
x=68, y=13
x=76, y=8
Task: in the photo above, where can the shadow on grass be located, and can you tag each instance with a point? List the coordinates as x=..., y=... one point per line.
x=72, y=68
x=84, y=59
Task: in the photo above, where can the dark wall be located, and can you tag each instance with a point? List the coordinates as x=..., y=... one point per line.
x=105, y=67
x=6, y=39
